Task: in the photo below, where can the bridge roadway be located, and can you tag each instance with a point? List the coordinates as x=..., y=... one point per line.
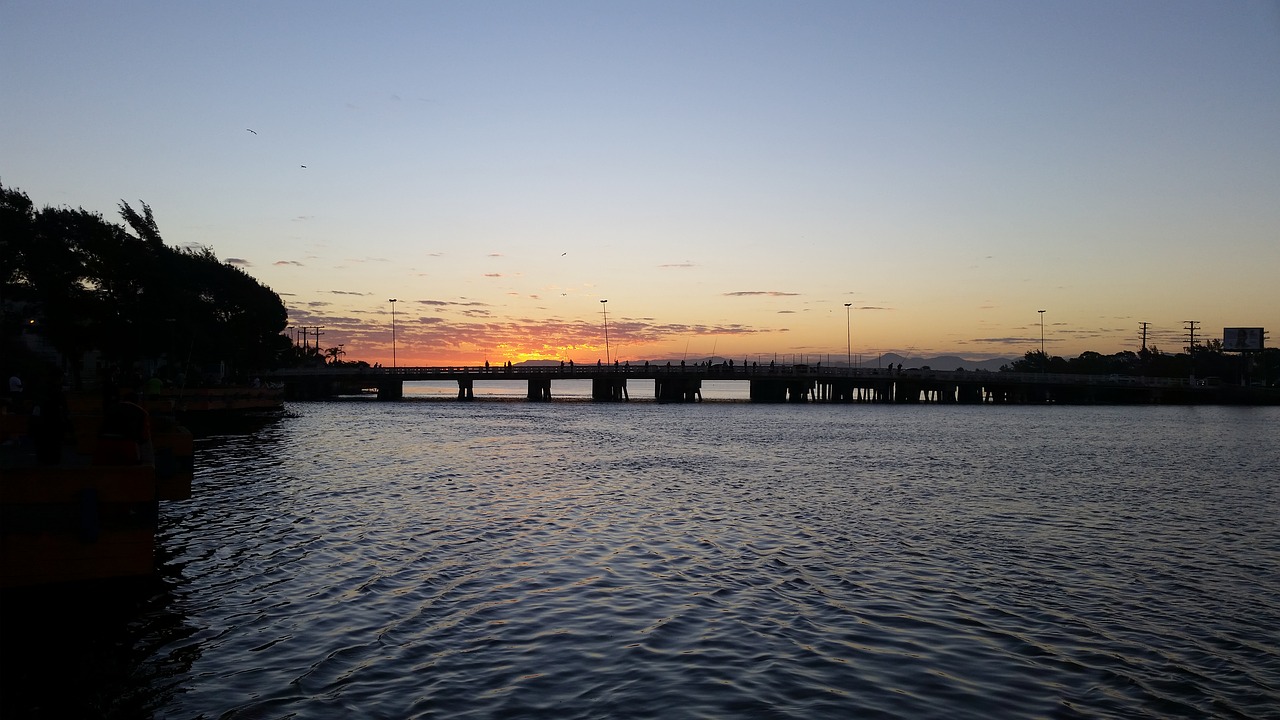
x=768, y=383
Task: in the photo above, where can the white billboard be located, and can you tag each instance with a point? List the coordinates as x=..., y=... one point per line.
x=1241, y=339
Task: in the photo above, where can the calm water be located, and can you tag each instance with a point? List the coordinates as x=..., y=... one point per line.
x=430, y=558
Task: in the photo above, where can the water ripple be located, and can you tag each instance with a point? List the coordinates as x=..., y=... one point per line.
x=571, y=560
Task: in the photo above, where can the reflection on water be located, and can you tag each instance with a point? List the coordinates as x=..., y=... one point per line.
x=438, y=559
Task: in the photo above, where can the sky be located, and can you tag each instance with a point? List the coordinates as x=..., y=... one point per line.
x=815, y=180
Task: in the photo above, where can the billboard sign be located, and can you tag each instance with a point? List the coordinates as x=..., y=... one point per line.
x=1241, y=339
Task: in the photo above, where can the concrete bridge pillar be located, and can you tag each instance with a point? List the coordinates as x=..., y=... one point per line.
x=767, y=390
x=969, y=394
x=798, y=390
x=677, y=389
x=390, y=389
x=539, y=388
x=609, y=388
x=840, y=391
x=465, y=390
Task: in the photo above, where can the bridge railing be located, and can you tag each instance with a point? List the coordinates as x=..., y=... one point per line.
x=720, y=371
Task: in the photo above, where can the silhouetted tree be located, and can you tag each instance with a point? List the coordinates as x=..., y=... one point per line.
x=87, y=284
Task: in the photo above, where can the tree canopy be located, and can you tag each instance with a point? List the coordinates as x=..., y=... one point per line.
x=86, y=284
x=1208, y=360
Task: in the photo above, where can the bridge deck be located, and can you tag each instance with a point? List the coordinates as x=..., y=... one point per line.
x=714, y=372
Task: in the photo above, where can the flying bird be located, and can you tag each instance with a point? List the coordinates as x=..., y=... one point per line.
x=302, y=166
x=255, y=132
x=563, y=254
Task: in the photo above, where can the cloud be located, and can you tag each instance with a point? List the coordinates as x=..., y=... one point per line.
x=766, y=293
x=288, y=262
x=679, y=265
x=444, y=303
x=239, y=262
x=493, y=275
x=345, y=292
x=1002, y=340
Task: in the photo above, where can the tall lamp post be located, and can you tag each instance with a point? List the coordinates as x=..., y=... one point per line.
x=848, y=340
x=604, y=309
x=1043, y=359
x=393, y=331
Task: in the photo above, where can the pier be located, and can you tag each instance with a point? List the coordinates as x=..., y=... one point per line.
x=778, y=383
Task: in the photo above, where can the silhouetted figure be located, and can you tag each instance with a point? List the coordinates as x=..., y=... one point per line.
x=49, y=419
x=15, y=394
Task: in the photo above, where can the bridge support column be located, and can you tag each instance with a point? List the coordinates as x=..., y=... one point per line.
x=609, y=388
x=768, y=390
x=840, y=391
x=677, y=389
x=390, y=390
x=798, y=390
x=465, y=390
x=539, y=388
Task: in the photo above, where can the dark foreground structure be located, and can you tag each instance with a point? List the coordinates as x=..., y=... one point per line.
x=789, y=384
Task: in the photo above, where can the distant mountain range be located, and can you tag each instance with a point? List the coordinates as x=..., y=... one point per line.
x=942, y=362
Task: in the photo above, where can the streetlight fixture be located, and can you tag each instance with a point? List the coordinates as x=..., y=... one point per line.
x=848, y=340
x=1043, y=358
x=393, y=331
x=604, y=309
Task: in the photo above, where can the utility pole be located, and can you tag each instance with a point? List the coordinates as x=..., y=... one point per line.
x=1144, y=335
x=1191, y=345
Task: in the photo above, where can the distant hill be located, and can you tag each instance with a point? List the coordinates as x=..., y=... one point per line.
x=943, y=362
x=946, y=362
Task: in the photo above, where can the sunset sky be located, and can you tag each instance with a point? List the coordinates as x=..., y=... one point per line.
x=728, y=175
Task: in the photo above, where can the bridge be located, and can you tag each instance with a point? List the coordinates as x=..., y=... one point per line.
x=779, y=383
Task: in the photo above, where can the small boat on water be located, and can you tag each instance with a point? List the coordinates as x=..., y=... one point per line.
x=87, y=506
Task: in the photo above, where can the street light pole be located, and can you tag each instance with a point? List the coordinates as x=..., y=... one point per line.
x=848, y=340
x=1043, y=359
x=393, y=331
x=604, y=309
